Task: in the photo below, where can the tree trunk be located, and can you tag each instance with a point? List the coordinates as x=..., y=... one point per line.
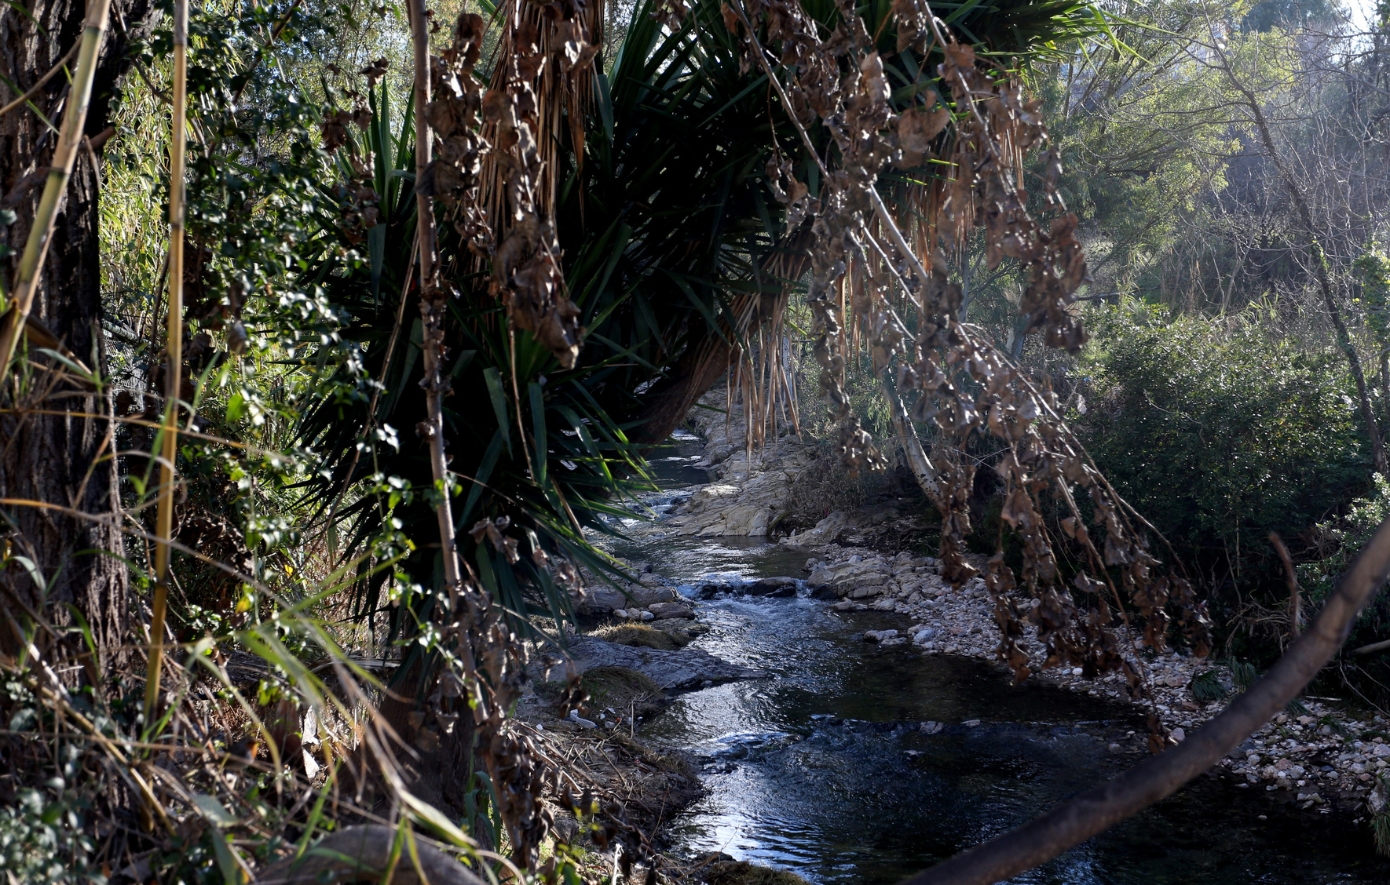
x=708, y=358
x=63, y=460
x=922, y=469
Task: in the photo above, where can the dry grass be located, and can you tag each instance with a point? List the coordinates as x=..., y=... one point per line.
x=641, y=636
x=627, y=692
x=739, y=872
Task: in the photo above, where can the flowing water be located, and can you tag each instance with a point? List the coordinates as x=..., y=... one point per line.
x=825, y=768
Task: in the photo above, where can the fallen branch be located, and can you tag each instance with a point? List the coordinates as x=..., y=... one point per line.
x=1099, y=809
x=1372, y=648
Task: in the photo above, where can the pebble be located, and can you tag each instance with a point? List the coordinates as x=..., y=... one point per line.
x=880, y=635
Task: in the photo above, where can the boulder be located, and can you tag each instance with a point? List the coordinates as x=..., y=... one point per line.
x=685, y=668
x=602, y=599
x=824, y=532
x=865, y=590
x=709, y=591
x=670, y=610
x=645, y=596
x=777, y=587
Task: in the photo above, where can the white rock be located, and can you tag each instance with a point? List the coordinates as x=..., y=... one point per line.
x=923, y=635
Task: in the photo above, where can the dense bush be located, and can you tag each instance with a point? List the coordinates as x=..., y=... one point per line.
x=1220, y=431
x=1336, y=543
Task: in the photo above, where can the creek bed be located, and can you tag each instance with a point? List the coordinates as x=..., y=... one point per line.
x=856, y=763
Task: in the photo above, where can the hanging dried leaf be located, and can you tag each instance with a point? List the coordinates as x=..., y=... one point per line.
x=863, y=274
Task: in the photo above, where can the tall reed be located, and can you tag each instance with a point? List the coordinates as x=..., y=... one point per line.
x=432, y=305
x=164, y=520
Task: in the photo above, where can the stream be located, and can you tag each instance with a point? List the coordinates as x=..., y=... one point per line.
x=857, y=763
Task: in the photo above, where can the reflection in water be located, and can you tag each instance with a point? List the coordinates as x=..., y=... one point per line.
x=824, y=768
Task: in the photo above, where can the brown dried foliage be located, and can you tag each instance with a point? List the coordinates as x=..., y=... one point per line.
x=543, y=78
x=862, y=285
x=493, y=171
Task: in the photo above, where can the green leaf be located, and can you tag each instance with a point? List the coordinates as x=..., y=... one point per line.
x=213, y=810
x=226, y=862
x=435, y=821
x=498, y=396
x=538, y=431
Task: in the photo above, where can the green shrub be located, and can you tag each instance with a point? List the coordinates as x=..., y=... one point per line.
x=741, y=872
x=626, y=691
x=1206, y=686
x=1220, y=431
x=1337, y=542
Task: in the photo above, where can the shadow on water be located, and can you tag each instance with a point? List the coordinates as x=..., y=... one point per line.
x=825, y=767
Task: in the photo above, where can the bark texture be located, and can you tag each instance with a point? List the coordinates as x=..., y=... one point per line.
x=62, y=459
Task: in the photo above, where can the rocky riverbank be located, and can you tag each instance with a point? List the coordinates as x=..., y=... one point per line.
x=626, y=663
x=633, y=655
x=1321, y=754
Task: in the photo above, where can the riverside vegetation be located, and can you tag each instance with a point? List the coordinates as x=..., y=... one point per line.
x=342, y=341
